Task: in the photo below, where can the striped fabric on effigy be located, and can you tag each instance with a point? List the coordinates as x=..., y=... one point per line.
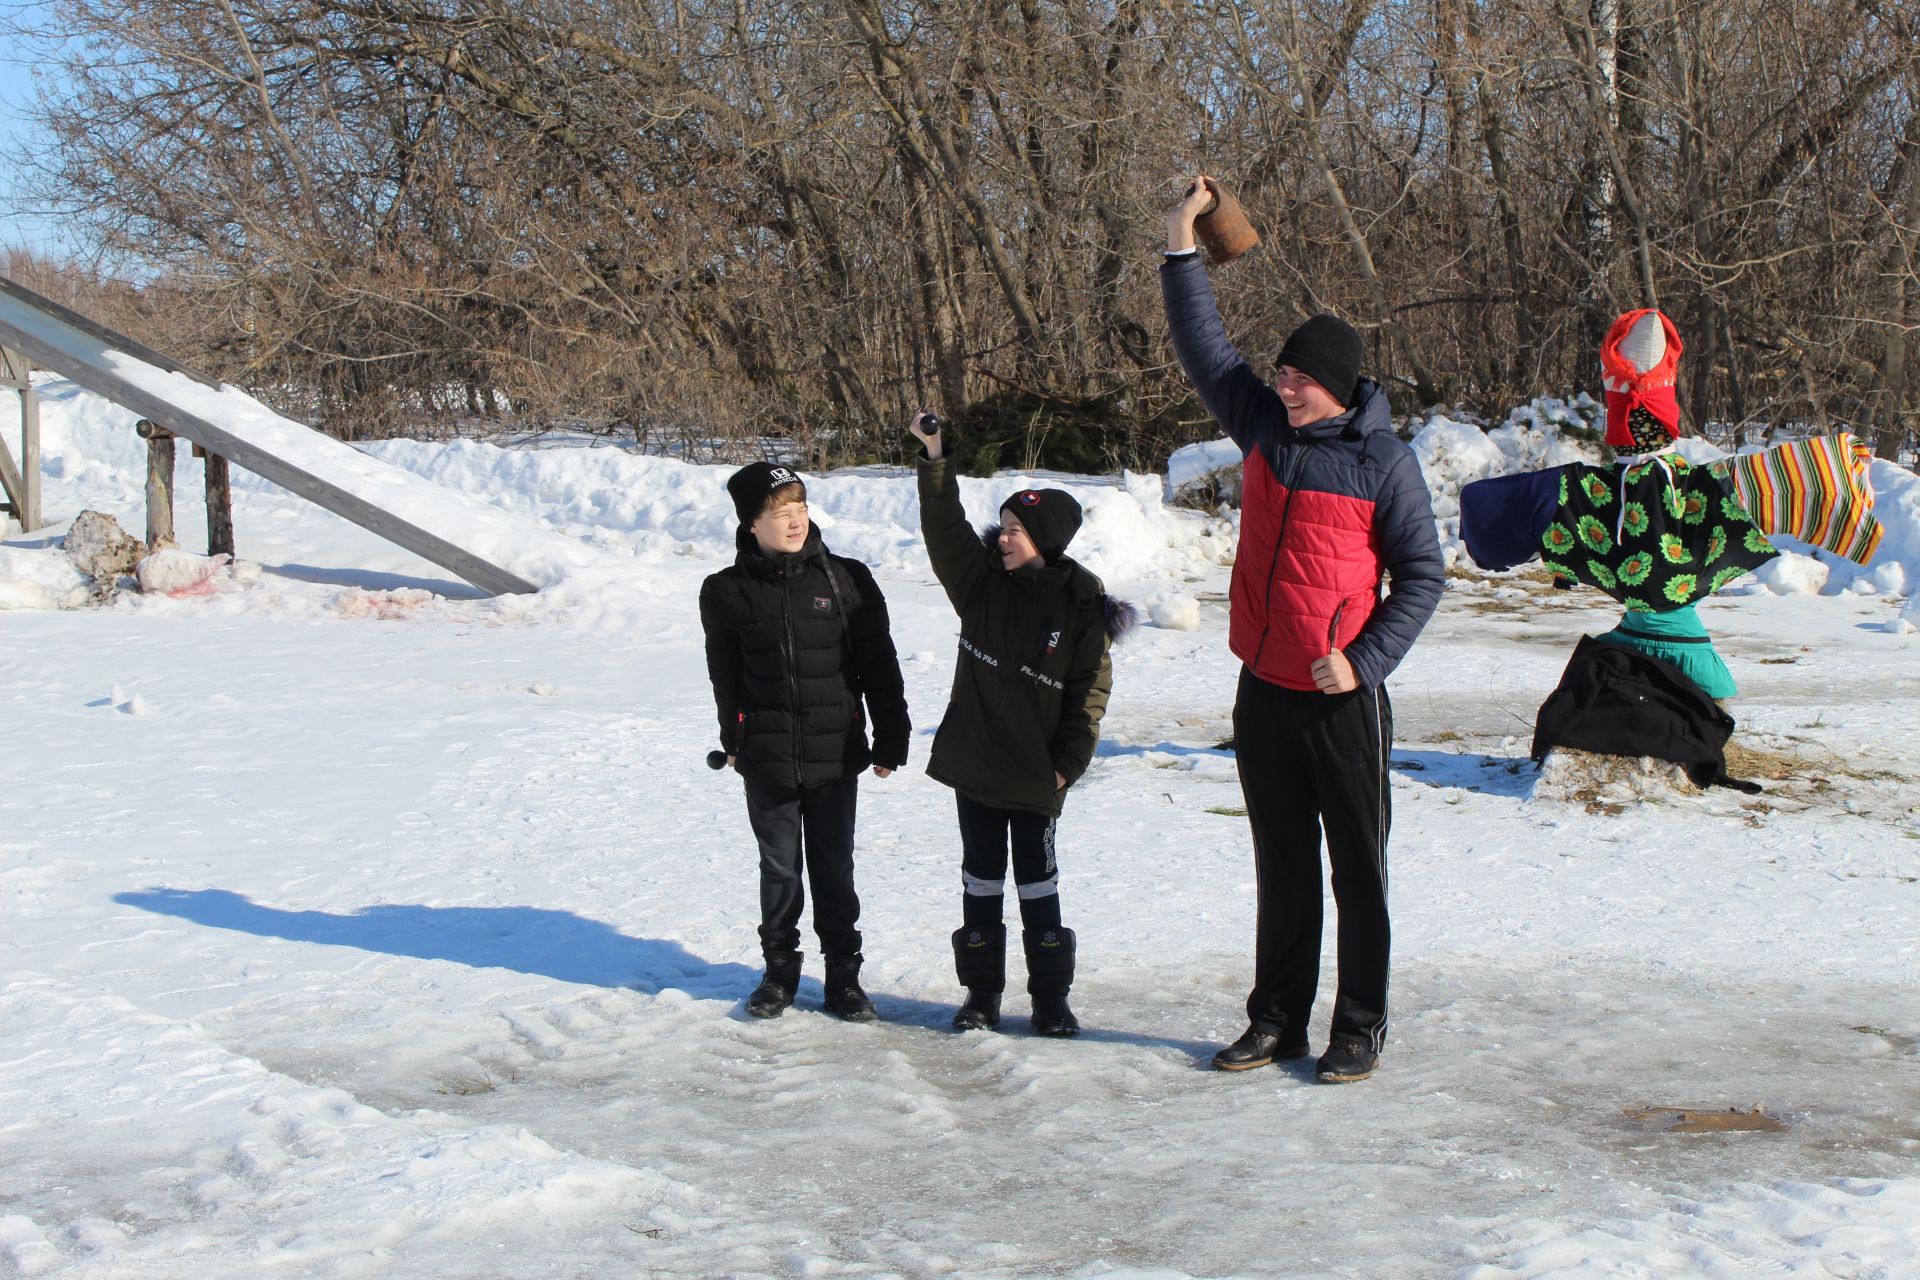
x=1814, y=490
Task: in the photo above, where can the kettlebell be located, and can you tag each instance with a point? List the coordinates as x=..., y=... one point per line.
x=1222, y=227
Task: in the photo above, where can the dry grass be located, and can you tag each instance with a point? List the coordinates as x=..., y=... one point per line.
x=1755, y=763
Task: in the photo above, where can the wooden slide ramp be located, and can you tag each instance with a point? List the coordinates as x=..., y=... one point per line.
x=321, y=469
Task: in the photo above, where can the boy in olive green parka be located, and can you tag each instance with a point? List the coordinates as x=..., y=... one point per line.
x=1031, y=684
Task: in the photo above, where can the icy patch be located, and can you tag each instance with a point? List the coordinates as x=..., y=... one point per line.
x=26, y=1247
x=1789, y=1229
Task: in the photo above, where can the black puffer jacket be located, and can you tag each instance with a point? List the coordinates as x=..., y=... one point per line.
x=794, y=644
x=1033, y=674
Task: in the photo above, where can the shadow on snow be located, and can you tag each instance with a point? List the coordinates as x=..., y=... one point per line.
x=548, y=944
x=376, y=580
x=1511, y=776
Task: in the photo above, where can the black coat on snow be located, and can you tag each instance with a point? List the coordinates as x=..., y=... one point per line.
x=1616, y=700
x=794, y=644
x=1033, y=674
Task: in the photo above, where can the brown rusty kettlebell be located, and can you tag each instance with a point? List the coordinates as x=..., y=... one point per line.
x=1222, y=227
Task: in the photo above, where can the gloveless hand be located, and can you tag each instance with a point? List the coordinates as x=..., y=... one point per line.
x=1334, y=674
x=1180, y=221
x=931, y=441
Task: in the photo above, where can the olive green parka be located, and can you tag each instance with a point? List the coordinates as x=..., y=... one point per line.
x=1033, y=673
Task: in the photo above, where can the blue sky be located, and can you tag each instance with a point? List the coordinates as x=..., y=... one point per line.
x=19, y=136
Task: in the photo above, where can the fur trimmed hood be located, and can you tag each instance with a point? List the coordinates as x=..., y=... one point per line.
x=1118, y=616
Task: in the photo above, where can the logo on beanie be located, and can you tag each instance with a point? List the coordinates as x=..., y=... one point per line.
x=779, y=476
x=1030, y=499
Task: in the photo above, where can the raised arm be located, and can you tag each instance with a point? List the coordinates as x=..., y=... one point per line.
x=1236, y=397
x=959, y=559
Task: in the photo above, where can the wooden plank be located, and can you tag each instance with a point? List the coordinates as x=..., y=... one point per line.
x=99, y=332
x=76, y=348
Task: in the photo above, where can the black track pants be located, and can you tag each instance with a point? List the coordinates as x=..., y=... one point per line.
x=820, y=820
x=985, y=833
x=1312, y=762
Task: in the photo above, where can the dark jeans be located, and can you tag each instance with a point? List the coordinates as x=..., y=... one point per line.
x=820, y=821
x=1312, y=762
x=985, y=834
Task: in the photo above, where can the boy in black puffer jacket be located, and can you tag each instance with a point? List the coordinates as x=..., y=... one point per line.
x=1029, y=690
x=796, y=639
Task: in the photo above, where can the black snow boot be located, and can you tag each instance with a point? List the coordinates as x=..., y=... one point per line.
x=1049, y=977
x=845, y=999
x=774, y=995
x=980, y=959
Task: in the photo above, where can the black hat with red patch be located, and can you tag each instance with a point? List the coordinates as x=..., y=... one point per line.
x=1050, y=516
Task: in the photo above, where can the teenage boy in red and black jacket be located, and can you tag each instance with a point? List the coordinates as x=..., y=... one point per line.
x=1331, y=500
x=797, y=640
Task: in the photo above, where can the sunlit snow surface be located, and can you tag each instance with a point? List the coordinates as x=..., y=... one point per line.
x=351, y=924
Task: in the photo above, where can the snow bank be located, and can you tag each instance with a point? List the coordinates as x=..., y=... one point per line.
x=593, y=519
x=39, y=579
x=655, y=508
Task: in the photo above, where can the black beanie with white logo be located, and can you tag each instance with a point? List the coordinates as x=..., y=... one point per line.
x=1050, y=516
x=752, y=484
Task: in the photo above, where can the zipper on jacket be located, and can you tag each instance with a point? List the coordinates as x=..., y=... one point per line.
x=792, y=653
x=1333, y=628
x=1294, y=464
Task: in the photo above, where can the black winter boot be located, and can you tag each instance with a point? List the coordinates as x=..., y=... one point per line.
x=845, y=999
x=1257, y=1047
x=1346, y=1061
x=1049, y=978
x=980, y=960
x=774, y=995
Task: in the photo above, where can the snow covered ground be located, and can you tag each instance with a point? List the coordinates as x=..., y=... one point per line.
x=351, y=924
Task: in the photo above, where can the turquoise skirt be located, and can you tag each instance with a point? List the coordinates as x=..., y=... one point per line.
x=1677, y=636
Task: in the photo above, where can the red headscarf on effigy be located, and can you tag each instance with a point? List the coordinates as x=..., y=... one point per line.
x=1638, y=372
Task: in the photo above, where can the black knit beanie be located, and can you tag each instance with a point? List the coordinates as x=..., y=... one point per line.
x=1328, y=350
x=752, y=484
x=1050, y=516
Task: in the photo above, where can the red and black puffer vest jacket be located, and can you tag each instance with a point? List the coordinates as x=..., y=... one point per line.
x=1326, y=511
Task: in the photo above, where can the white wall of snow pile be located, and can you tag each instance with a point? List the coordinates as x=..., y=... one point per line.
x=591, y=516
x=652, y=508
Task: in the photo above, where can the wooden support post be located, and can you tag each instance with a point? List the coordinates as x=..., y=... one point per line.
x=30, y=516
x=159, y=483
x=21, y=485
x=219, y=507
